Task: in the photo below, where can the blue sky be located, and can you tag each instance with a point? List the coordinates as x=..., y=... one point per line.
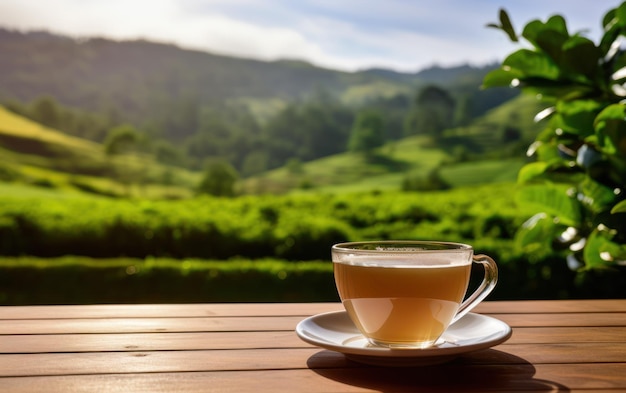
x=349, y=35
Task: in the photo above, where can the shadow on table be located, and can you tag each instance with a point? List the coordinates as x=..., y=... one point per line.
x=483, y=371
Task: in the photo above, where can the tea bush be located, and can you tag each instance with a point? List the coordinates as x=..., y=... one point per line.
x=298, y=227
x=577, y=184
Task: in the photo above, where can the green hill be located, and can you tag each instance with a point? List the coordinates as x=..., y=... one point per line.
x=43, y=155
x=254, y=114
x=136, y=79
x=38, y=155
x=483, y=140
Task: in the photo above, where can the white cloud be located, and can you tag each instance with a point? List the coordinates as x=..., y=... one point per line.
x=162, y=20
x=346, y=34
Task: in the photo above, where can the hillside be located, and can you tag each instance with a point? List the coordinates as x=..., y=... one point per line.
x=136, y=75
x=136, y=78
x=484, y=141
x=194, y=106
x=38, y=155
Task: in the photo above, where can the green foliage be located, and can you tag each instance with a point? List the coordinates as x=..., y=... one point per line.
x=433, y=112
x=163, y=280
x=252, y=248
x=257, y=115
x=219, y=179
x=295, y=227
x=368, y=133
x=578, y=181
x=80, y=280
x=47, y=111
x=306, y=131
x=432, y=181
x=121, y=139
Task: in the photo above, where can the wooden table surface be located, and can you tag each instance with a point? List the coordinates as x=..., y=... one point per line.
x=556, y=346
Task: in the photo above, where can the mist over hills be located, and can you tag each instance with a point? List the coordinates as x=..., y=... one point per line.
x=136, y=76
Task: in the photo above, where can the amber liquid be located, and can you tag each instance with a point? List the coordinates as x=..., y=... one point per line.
x=402, y=306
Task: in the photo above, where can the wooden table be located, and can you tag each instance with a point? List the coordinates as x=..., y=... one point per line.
x=555, y=346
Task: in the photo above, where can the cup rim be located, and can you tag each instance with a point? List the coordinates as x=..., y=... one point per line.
x=442, y=246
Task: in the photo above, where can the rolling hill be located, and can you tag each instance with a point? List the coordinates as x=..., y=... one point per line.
x=416, y=156
x=193, y=100
x=138, y=78
x=38, y=153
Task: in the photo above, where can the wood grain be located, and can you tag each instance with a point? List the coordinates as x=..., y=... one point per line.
x=552, y=377
x=283, y=309
x=256, y=340
x=571, y=346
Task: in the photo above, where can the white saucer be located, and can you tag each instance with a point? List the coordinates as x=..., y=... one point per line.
x=335, y=331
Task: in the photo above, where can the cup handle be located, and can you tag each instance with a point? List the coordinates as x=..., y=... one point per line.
x=485, y=288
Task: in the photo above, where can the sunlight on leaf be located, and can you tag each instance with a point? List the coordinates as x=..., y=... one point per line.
x=544, y=114
x=619, y=208
x=601, y=251
x=536, y=234
x=532, y=64
x=552, y=199
x=532, y=171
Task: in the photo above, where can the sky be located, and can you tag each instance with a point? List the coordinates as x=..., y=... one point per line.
x=348, y=35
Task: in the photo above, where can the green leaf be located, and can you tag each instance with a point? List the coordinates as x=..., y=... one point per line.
x=536, y=234
x=581, y=55
x=609, y=44
x=620, y=15
x=532, y=171
x=552, y=88
x=553, y=199
x=610, y=127
x=619, y=67
x=549, y=152
x=531, y=31
x=532, y=64
x=507, y=26
x=612, y=112
x=500, y=78
x=557, y=23
x=597, y=196
x=578, y=116
x=619, y=208
x=548, y=37
x=609, y=18
x=600, y=252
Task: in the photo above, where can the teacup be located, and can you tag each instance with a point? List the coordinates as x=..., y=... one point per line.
x=405, y=294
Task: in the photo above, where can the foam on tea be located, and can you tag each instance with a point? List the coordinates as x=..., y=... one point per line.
x=402, y=300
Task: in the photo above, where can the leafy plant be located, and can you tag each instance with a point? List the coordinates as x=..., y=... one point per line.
x=578, y=180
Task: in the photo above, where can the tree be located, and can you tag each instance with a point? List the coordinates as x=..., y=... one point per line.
x=46, y=111
x=433, y=111
x=120, y=140
x=303, y=130
x=219, y=179
x=166, y=153
x=578, y=181
x=368, y=132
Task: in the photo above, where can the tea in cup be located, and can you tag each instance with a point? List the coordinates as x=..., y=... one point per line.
x=405, y=294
